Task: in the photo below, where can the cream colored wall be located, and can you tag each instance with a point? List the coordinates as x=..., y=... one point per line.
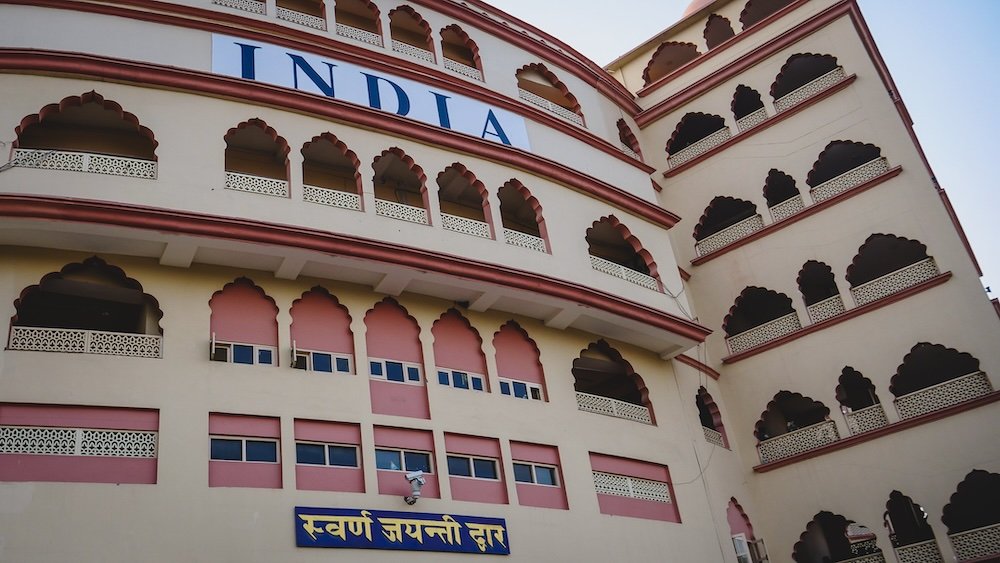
x=253, y=524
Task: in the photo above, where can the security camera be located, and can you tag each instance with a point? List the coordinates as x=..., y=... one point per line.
x=417, y=482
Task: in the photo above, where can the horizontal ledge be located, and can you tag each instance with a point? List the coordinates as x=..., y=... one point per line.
x=771, y=120
x=835, y=320
x=687, y=360
x=878, y=433
x=259, y=232
x=806, y=212
x=145, y=75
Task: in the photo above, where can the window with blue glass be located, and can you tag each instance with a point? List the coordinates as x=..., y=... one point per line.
x=391, y=370
x=402, y=460
x=235, y=353
x=521, y=389
x=461, y=379
x=535, y=474
x=327, y=362
x=337, y=455
x=476, y=467
x=243, y=449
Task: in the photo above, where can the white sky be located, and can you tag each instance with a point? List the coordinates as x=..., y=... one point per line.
x=942, y=56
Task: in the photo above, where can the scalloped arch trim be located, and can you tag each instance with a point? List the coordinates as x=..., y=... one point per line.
x=688, y=117
x=554, y=82
x=682, y=51
x=342, y=149
x=278, y=140
x=631, y=240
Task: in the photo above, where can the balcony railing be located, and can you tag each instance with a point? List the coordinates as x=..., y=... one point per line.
x=307, y=20
x=402, y=212
x=412, y=51
x=825, y=309
x=245, y=5
x=465, y=225
x=471, y=72
x=359, y=34
x=923, y=552
x=943, y=395
x=546, y=105
x=628, y=150
x=801, y=94
x=333, y=198
x=854, y=177
x=866, y=419
x=84, y=162
x=729, y=235
x=787, y=208
x=524, y=240
x=627, y=274
x=764, y=333
x=80, y=341
x=630, y=487
x=613, y=407
x=751, y=119
x=870, y=558
x=256, y=184
x=894, y=282
x=798, y=441
x=713, y=437
x=977, y=544
x=89, y=442
x=702, y=146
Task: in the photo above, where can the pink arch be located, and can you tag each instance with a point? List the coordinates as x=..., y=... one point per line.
x=474, y=182
x=467, y=41
x=392, y=333
x=268, y=130
x=421, y=23
x=242, y=312
x=533, y=203
x=632, y=241
x=342, y=148
x=517, y=354
x=457, y=345
x=739, y=522
x=555, y=82
x=320, y=322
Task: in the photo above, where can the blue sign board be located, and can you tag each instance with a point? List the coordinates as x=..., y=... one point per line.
x=410, y=531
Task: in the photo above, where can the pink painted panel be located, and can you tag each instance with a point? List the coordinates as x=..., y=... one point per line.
x=738, y=524
x=244, y=474
x=517, y=357
x=523, y=451
x=478, y=490
x=457, y=345
x=79, y=417
x=631, y=467
x=322, y=431
x=243, y=425
x=472, y=445
x=404, y=438
x=323, y=478
x=395, y=483
x=637, y=508
x=399, y=399
x=541, y=496
x=243, y=313
x=392, y=334
x=320, y=323
x=77, y=469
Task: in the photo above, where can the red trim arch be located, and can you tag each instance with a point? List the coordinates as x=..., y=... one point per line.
x=632, y=241
x=771, y=300
x=555, y=83
x=602, y=347
x=626, y=136
x=753, y=13
x=735, y=504
x=710, y=119
x=820, y=172
x=410, y=165
x=678, y=53
x=466, y=40
x=532, y=201
x=314, y=318
x=267, y=129
x=732, y=202
x=390, y=302
x=447, y=344
x=247, y=282
x=373, y=8
x=715, y=34
x=773, y=404
x=480, y=187
x=746, y=100
x=420, y=21
x=713, y=410
x=344, y=150
x=91, y=97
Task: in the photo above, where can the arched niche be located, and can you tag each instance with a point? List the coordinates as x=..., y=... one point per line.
x=839, y=157
x=816, y=282
x=692, y=128
x=321, y=333
x=243, y=325
x=906, y=521
x=607, y=238
x=830, y=537
x=929, y=364
x=722, y=212
x=789, y=412
x=256, y=149
x=407, y=26
x=458, y=352
x=456, y=45
x=974, y=504
x=398, y=179
x=757, y=10
x=668, y=57
x=461, y=194
x=883, y=254
x=717, y=31
x=600, y=370
x=754, y=307
x=854, y=390
x=328, y=163
x=801, y=69
x=538, y=80
x=519, y=363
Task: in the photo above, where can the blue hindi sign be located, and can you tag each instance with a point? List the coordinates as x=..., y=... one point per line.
x=410, y=531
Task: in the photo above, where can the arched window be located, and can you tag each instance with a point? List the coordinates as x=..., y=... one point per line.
x=783, y=198
x=410, y=34
x=757, y=10
x=321, y=333
x=606, y=384
x=616, y=251
x=748, y=548
x=754, y=307
x=717, y=31
x=256, y=159
x=539, y=86
x=948, y=376
x=244, y=325
x=747, y=102
x=886, y=264
x=831, y=537
x=458, y=353
x=803, y=76
x=858, y=402
x=358, y=20
x=907, y=522
x=395, y=360
x=523, y=223
x=310, y=13
x=843, y=165
x=725, y=221
x=695, y=134
x=628, y=141
x=710, y=418
x=400, y=187
x=518, y=363
x=86, y=134
x=465, y=205
x=791, y=425
x=330, y=173
x=819, y=291
x=87, y=307
x=972, y=516
x=461, y=54
x=669, y=56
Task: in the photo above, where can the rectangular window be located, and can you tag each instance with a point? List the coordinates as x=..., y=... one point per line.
x=479, y=468
x=237, y=353
x=392, y=370
x=474, y=468
x=461, y=379
x=326, y=362
x=521, y=389
x=326, y=454
x=402, y=460
x=243, y=449
x=535, y=474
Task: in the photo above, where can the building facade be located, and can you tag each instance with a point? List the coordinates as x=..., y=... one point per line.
x=291, y=280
